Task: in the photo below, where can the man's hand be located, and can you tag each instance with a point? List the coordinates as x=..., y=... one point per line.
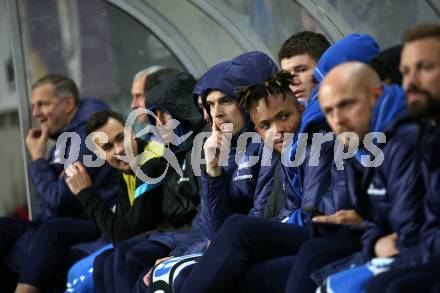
x=386, y=246
x=342, y=217
x=36, y=141
x=147, y=277
x=216, y=144
x=77, y=178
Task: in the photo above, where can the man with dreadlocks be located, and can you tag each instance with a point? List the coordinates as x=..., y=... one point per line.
x=276, y=114
x=243, y=244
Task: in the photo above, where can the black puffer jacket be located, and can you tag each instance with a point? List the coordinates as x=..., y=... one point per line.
x=173, y=94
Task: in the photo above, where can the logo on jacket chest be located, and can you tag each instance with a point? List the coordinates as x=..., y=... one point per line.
x=243, y=170
x=374, y=190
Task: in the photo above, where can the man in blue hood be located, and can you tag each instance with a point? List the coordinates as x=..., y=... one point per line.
x=229, y=189
x=315, y=181
x=58, y=110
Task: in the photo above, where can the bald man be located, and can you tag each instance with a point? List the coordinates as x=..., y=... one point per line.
x=383, y=179
x=348, y=106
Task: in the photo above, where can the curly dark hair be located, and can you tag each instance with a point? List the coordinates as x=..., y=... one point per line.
x=277, y=85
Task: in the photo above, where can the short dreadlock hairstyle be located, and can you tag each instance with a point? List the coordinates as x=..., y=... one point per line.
x=277, y=85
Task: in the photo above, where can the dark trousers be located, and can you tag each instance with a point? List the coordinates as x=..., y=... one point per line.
x=40, y=252
x=11, y=229
x=316, y=253
x=141, y=256
x=265, y=276
x=418, y=279
x=241, y=242
x=117, y=270
x=102, y=271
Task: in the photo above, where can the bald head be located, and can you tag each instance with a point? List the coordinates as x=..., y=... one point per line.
x=347, y=97
x=351, y=75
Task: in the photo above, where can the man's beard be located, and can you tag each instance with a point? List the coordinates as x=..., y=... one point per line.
x=428, y=108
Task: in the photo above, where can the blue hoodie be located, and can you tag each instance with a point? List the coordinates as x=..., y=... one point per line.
x=228, y=75
x=388, y=197
x=324, y=180
x=233, y=191
x=354, y=47
x=54, y=198
x=394, y=189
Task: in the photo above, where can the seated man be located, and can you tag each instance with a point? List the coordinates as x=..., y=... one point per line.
x=274, y=124
x=143, y=82
x=299, y=55
x=241, y=230
x=143, y=205
x=416, y=268
x=138, y=206
x=136, y=255
x=355, y=104
x=228, y=189
x=276, y=113
x=59, y=111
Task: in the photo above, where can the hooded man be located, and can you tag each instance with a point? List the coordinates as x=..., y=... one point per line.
x=236, y=234
x=229, y=189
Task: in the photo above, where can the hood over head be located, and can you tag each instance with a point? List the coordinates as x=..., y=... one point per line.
x=387, y=62
x=246, y=69
x=173, y=93
x=354, y=47
x=213, y=73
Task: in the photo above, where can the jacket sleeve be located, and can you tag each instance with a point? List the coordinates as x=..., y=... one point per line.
x=405, y=190
x=51, y=189
x=336, y=196
x=428, y=249
x=215, y=205
x=128, y=221
x=231, y=192
x=316, y=180
x=195, y=241
x=53, y=192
